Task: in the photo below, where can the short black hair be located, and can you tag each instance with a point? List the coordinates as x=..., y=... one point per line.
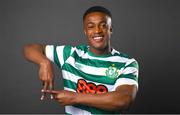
x=97, y=9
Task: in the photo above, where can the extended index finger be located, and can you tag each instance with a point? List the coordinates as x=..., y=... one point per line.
x=51, y=87
x=45, y=85
x=50, y=91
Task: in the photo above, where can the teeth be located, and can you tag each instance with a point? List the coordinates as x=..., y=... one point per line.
x=97, y=38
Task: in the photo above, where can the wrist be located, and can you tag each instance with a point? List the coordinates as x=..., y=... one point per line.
x=76, y=99
x=44, y=62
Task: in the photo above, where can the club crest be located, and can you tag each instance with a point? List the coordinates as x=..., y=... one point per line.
x=112, y=72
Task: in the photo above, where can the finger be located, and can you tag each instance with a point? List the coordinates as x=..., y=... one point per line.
x=51, y=88
x=45, y=85
x=42, y=94
x=42, y=97
x=51, y=91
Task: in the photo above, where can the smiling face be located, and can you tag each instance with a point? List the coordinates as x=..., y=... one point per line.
x=98, y=29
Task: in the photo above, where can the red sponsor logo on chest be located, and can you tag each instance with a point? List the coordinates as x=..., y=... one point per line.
x=89, y=87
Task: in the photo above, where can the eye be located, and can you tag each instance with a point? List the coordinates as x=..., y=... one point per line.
x=103, y=25
x=90, y=26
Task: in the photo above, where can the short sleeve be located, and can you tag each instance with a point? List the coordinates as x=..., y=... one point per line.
x=49, y=52
x=129, y=75
x=58, y=54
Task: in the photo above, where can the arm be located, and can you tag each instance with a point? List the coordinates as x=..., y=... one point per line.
x=112, y=101
x=35, y=53
x=117, y=100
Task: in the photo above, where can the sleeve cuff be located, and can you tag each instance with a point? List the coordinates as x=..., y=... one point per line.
x=49, y=52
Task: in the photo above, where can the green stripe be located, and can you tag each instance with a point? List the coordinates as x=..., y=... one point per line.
x=56, y=57
x=82, y=47
x=133, y=64
x=130, y=76
x=99, y=56
x=70, y=84
x=124, y=55
x=90, y=77
x=66, y=52
x=68, y=113
x=96, y=63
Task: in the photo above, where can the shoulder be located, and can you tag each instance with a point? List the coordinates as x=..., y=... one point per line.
x=65, y=48
x=120, y=54
x=124, y=57
x=82, y=47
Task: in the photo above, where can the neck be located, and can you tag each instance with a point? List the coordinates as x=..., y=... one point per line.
x=99, y=52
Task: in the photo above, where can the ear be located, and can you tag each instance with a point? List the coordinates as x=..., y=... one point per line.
x=111, y=30
x=84, y=32
x=84, y=28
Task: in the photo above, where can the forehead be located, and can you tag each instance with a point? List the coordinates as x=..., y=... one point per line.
x=96, y=16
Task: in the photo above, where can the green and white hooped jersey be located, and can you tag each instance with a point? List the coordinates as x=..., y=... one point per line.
x=84, y=72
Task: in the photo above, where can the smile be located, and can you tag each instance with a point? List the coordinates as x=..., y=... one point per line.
x=98, y=38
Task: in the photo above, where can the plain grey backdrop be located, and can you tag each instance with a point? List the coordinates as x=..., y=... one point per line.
x=148, y=30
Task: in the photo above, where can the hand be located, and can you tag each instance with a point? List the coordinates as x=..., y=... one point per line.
x=62, y=96
x=46, y=74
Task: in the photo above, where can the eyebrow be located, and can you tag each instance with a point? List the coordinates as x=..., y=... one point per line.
x=90, y=22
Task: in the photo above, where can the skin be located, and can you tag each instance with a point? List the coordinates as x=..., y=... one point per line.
x=96, y=24
x=35, y=54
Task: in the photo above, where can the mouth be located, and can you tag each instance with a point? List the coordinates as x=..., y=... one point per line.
x=98, y=38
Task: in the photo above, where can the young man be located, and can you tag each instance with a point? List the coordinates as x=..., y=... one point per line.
x=97, y=78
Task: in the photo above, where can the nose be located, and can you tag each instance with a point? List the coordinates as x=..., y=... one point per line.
x=98, y=30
